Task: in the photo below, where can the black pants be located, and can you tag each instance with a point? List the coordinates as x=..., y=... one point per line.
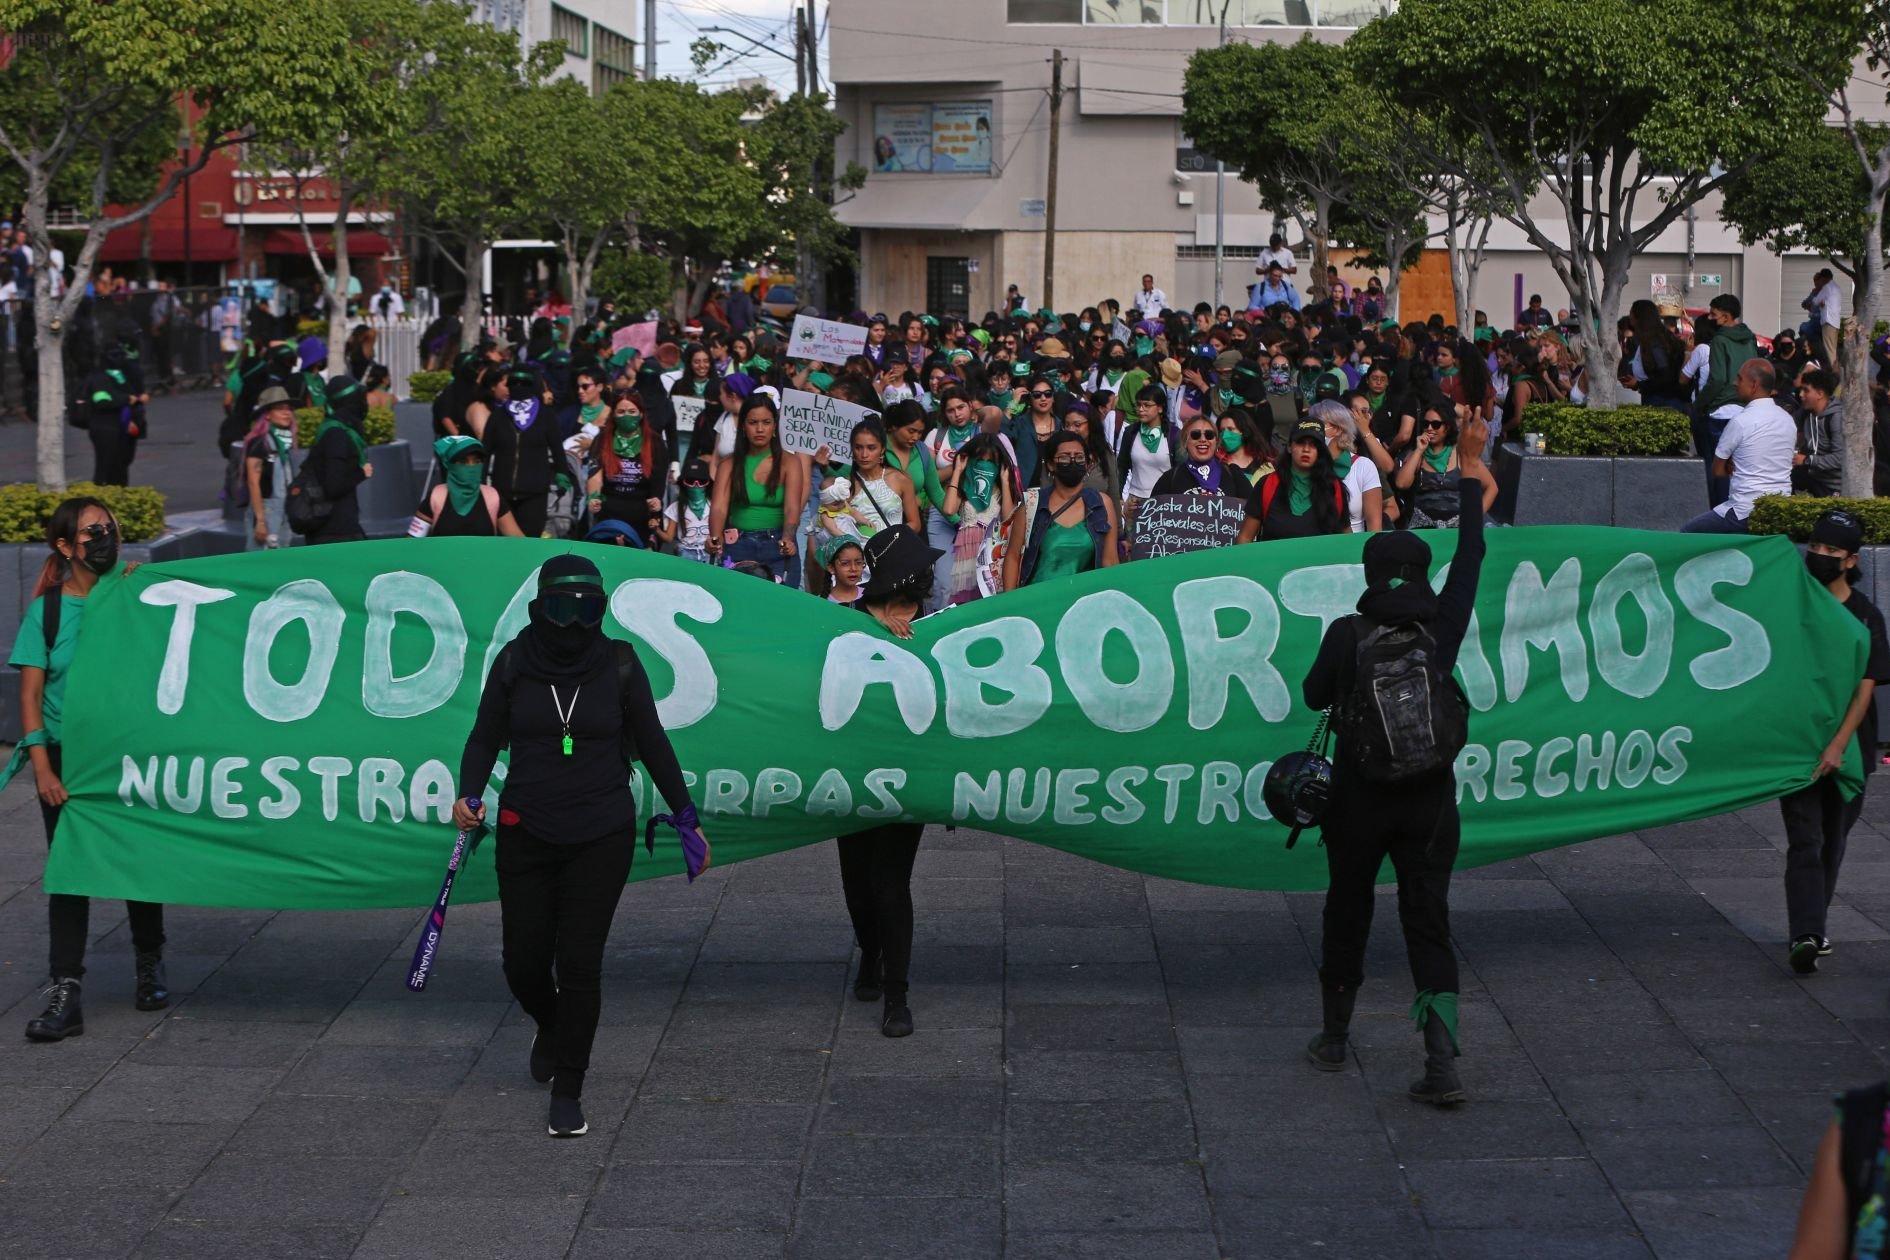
x=556, y=903
x=531, y=511
x=112, y=451
x=876, y=875
x=1705, y=440
x=1416, y=825
x=68, y=917
x=1818, y=823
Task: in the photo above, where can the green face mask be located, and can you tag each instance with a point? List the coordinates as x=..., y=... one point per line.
x=695, y=498
x=1228, y=396
x=627, y=443
x=980, y=483
x=462, y=485
x=1231, y=440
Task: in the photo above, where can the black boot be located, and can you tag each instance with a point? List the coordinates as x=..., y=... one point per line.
x=62, y=1017
x=866, y=983
x=1439, y=1085
x=1327, y=1050
x=154, y=991
x=897, y=1022
x=543, y=1065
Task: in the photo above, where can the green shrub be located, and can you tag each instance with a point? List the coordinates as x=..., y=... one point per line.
x=1794, y=515
x=426, y=386
x=25, y=509
x=311, y=328
x=1571, y=429
x=379, y=425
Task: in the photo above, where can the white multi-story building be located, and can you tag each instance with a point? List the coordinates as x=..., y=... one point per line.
x=946, y=106
x=600, y=36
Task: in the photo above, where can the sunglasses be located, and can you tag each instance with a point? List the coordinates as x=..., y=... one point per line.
x=1074, y=461
x=1201, y=435
x=574, y=607
x=99, y=531
x=1042, y=393
x=1435, y=424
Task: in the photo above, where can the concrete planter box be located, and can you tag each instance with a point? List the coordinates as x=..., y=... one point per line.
x=387, y=498
x=1633, y=492
x=413, y=424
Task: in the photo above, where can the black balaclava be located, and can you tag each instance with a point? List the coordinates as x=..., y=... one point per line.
x=542, y=340
x=1398, y=579
x=557, y=654
x=347, y=402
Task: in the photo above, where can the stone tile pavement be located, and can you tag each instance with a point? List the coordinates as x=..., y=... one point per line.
x=1105, y=1066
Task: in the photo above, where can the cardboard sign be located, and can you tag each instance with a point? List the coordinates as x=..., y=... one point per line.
x=1170, y=524
x=811, y=421
x=688, y=411
x=825, y=340
x=639, y=337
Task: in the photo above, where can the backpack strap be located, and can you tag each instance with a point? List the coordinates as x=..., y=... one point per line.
x=50, y=611
x=1269, y=487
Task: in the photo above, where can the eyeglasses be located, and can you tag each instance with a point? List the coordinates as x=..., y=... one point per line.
x=1070, y=461
x=99, y=531
x=1201, y=435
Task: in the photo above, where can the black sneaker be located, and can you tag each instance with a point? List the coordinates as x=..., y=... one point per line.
x=866, y=983
x=542, y=1067
x=567, y=1118
x=898, y=1021
x=62, y=1017
x=154, y=991
x=1824, y=947
x=1804, y=954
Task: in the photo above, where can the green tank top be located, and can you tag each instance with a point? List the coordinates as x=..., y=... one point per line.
x=764, y=510
x=1067, y=549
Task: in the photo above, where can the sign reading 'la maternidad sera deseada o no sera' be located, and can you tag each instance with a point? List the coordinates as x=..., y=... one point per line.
x=283, y=728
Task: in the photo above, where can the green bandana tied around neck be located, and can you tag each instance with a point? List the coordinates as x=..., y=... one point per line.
x=1437, y=460
x=1298, y=492
x=284, y=440
x=1151, y=438
x=1444, y=374
x=627, y=443
x=980, y=482
x=701, y=388
x=1231, y=440
x=1228, y=396
x=1342, y=463
x=589, y=412
x=1377, y=401
x=956, y=435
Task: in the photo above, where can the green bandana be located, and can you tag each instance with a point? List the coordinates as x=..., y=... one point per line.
x=1151, y=438
x=1231, y=440
x=1437, y=459
x=1377, y=401
x=701, y=388
x=589, y=412
x=980, y=480
x=284, y=440
x=1298, y=492
x=696, y=498
x=1342, y=463
x=1444, y=374
x=957, y=435
x=627, y=443
x=462, y=485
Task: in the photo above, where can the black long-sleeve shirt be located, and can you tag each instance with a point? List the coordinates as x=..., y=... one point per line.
x=1330, y=678
x=571, y=799
x=335, y=463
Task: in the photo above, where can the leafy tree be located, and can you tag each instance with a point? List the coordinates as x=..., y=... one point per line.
x=92, y=91
x=1827, y=193
x=793, y=146
x=581, y=171
x=1623, y=112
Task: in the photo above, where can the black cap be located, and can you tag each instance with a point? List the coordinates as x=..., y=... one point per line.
x=696, y=469
x=1839, y=528
x=1309, y=431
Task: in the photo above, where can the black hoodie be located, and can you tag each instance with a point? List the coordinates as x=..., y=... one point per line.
x=1445, y=613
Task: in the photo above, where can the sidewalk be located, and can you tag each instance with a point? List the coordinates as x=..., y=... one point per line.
x=1106, y=1065
x=180, y=457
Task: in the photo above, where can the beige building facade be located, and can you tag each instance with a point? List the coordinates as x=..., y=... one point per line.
x=947, y=108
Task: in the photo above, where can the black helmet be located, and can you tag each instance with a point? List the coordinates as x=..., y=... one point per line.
x=1297, y=789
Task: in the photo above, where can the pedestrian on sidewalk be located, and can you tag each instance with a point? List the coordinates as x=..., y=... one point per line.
x=83, y=537
x=1818, y=820
x=575, y=708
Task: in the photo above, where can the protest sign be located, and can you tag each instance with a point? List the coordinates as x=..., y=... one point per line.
x=825, y=340
x=639, y=337
x=1170, y=524
x=282, y=728
x=688, y=411
x=810, y=421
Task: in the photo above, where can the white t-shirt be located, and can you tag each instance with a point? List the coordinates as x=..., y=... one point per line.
x=1150, y=303
x=694, y=536
x=725, y=436
x=1759, y=441
x=1830, y=304
x=1145, y=466
x=1694, y=369
x=1282, y=256
x=1362, y=476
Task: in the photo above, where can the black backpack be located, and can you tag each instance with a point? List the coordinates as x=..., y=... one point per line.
x=1405, y=717
x=307, y=505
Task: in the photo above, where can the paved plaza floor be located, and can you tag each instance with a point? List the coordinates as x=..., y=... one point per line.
x=1106, y=1065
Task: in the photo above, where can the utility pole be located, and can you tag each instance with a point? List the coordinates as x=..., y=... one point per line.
x=813, y=50
x=1050, y=193
x=800, y=52
x=1220, y=194
x=649, y=41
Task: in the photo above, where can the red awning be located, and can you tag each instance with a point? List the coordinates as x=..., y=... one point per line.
x=210, y=244
x=360, y=244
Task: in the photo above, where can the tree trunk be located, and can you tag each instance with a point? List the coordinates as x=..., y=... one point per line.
x=472, y=306
x=51, y=338
x=1394, y=246
x=1322, y=227
x=1604, y=348
x=338, y=285
x=1472, y=264
x=1860, y=457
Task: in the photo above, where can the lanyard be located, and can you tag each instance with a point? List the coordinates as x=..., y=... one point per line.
x=564, y=714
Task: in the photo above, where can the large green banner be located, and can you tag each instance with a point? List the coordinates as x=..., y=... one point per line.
x=283, y=729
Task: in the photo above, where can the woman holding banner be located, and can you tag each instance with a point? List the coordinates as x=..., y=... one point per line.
x=574, y=706
x=758, y=494
x=83, y=536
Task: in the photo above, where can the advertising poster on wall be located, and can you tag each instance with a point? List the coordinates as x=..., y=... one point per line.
x=902, y=138
x=961, y=137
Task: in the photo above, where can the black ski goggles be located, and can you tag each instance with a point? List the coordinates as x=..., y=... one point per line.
x=579, y=604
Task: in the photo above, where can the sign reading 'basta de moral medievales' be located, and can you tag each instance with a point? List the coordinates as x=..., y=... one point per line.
x=284, y=728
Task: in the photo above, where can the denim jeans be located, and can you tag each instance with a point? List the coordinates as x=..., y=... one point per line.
x=1714, y=523
x=764, y=547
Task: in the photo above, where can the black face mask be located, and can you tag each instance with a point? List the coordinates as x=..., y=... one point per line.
x=1069, y=474
x=1827, y=569
x=100, y=554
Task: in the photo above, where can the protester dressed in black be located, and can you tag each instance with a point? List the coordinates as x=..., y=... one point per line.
x=337, y=461
x=1415, y=823
x=574, y=707
x=876, y=864
x=527, y=455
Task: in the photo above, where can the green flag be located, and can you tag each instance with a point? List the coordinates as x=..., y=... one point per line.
x=284, y=728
